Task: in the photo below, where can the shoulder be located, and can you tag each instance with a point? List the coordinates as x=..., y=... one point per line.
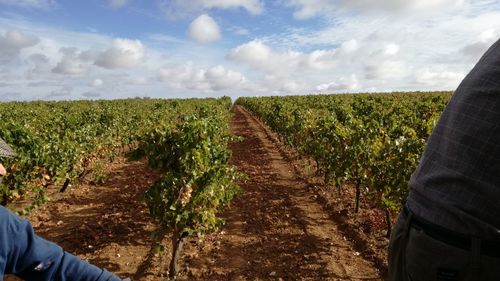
x=5, y=219
x=9, y=222
x=4, y=214
x=4, y=211
x=5, y=231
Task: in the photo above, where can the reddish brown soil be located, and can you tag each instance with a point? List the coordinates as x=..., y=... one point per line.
x=276, y=229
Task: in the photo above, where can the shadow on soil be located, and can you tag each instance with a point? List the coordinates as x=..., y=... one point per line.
x=114, y=219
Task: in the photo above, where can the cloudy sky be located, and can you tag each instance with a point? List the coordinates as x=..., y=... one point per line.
x=103, y=49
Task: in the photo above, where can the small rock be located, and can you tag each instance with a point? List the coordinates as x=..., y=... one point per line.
x=272, y=274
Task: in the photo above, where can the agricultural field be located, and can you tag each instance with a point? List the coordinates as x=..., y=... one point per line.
x=371, y=141
x=269, y=188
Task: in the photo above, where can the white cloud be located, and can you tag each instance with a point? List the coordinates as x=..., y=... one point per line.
x=67, y=66
x=259, y=55
x=31, y=4
x=305, y=9
x=41, y=63
x=329, y=59
x=390, y=69
x=222, y=79
x=13, y=42
x=97, y=82
x=254, y=53
x=442, y=79
x=292, y=71
x=350, y=46
x=479, y=47
x=321, y=59
x=64, y=91
x=394, y=49
x=309, y=8
x=241, y=31
x=343, y=84
x=123, y=53
x=216, y=78
x=77, y=59
x=69, y=63
x=204, y=29
x=289, y=87
x=391, y=49
x=252, y=6
x=118, y=3
x=180, y=8
x=138, y=81
x=166, y=39
x=176, y=73
x=409, y=5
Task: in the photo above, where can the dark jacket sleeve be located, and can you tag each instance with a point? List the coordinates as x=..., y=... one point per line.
x=31, y=257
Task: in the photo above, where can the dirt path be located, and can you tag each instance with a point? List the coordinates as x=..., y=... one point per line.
x=275, y=230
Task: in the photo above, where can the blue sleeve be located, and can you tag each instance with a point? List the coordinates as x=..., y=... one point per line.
x=30, y=257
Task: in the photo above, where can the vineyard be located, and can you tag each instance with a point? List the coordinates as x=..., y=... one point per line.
x=186, y=140
x=56, y=143
x=370, y=142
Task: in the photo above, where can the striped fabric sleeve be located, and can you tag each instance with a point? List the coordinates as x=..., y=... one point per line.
x=6, y=150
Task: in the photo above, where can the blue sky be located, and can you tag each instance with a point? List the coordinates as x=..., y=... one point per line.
x=106, y=49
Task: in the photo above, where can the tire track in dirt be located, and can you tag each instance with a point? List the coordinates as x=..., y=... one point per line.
x=275, y=229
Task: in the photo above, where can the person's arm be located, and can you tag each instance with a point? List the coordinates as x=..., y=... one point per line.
x=33, y=258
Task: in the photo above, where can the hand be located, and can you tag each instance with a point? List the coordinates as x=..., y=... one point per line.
x=3, y=172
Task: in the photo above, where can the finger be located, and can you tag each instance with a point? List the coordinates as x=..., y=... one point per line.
x=3, y=172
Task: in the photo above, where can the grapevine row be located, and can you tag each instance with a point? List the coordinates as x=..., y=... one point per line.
x=187, y=140
x=59, y=142
x=197, y=181
x=373, y=141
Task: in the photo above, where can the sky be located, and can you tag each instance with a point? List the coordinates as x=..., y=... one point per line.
x=109, y=49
